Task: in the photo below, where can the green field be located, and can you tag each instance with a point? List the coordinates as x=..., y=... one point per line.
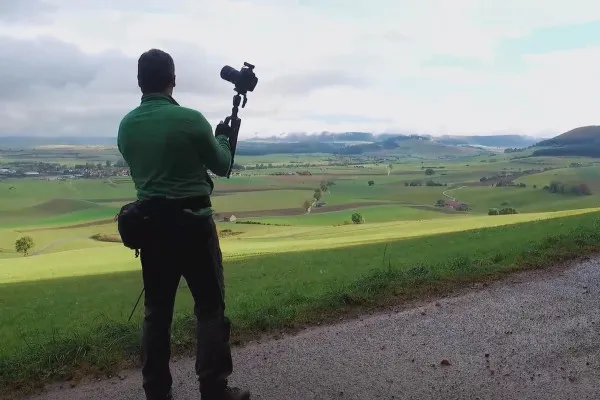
x=64, y=306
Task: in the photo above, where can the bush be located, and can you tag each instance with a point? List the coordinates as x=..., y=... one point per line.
x=462, y=207
x=429, y=171
x=357, y=218
x=522, y=185
x=584, y=189
x=107, y=237
x=430, y=182
x=508, y=210
x=228, y=232
x=581, y=189
x=371, y=183
x=493, y=211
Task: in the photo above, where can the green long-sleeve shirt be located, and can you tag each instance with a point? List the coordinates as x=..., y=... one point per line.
x=169, y=148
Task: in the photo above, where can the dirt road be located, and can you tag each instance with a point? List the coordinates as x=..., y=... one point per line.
x=534, y=336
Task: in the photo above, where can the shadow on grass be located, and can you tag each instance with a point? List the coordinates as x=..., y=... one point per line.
x=58, y=329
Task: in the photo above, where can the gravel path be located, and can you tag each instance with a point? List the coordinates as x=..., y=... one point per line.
x=445, y=193
x=533, y=336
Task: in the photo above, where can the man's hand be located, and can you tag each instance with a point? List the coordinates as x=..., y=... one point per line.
x=223, y=129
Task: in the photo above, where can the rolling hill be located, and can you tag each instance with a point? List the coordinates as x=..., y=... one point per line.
x=501, y=141
x=342, y=143
x=583, y=141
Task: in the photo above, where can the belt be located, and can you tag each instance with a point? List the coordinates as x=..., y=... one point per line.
x=182, y=203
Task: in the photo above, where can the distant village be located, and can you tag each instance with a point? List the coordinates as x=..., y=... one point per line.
x=56, y=171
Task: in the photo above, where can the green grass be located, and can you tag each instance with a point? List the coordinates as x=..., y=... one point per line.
x=254, y=240
x=371, y=214
x=590, y=175
x=66, y=219
x=51, y=324
x=263, y=200
x=30, y=192
x=64, y=309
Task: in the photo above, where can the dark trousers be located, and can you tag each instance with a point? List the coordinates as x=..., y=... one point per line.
x=185, y=246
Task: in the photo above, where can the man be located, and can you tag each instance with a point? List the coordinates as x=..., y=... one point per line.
x=169, y=149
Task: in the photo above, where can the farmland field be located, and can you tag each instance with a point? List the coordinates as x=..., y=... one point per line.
x=372, y=231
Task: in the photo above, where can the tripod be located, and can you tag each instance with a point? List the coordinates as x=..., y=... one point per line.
x=235, y=124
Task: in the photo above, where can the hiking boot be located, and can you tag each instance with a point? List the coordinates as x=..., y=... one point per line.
x=229, y=393
x=168, y=396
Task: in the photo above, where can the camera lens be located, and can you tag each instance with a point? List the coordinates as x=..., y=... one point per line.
x=230, y=74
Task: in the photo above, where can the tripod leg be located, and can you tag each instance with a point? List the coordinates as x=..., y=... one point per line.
x=136, y=304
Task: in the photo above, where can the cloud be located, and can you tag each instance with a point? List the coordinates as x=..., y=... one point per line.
x=434, y=66
x=28, y=65
x=25, y=11
x=48, y=86
x=304, y=83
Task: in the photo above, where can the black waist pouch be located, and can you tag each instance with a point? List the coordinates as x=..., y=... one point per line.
x=139, y=219
x=133, y=223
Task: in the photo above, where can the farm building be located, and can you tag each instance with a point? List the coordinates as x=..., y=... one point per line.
x=230, y=218
x=455, y=204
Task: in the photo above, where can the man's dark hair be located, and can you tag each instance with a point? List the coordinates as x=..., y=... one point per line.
x=156, y=71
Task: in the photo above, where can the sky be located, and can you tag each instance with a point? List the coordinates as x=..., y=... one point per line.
x=456, y=67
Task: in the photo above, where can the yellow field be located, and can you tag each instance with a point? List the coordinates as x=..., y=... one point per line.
x=75, y=254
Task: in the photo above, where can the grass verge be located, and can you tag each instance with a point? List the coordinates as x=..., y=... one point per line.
x=275, y=293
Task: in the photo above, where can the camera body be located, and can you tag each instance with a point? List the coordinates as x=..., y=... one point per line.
x=244, y=80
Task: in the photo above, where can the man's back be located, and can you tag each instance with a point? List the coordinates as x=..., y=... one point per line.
x=168, y=149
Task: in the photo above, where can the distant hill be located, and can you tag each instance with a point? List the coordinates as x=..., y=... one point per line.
x=354, y=144
x=500, y=141
x=583, y=141
x=343, y=143
x=29, y=142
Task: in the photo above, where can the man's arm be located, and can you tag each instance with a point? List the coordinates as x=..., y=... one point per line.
x=215, y=152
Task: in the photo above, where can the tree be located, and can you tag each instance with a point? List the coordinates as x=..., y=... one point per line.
x=307, y=205
x=323, y=186
x=429, y=171
x=357, y=218
x=493, y=211
x=24, y=244
x=108, y=163
x=317, y=194
x=389, y=168
x=584, y=189
x=371, y=183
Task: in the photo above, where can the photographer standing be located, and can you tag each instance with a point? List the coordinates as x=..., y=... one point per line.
x=168, y=149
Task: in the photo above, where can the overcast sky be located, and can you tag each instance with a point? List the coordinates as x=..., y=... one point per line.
x=68, y=67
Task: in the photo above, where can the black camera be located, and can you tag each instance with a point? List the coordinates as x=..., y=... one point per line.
x=244, y=80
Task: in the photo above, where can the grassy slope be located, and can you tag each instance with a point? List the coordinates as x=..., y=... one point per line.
x=70, y=303
x=66, y=322
x=370, y=214
x=314, y=234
